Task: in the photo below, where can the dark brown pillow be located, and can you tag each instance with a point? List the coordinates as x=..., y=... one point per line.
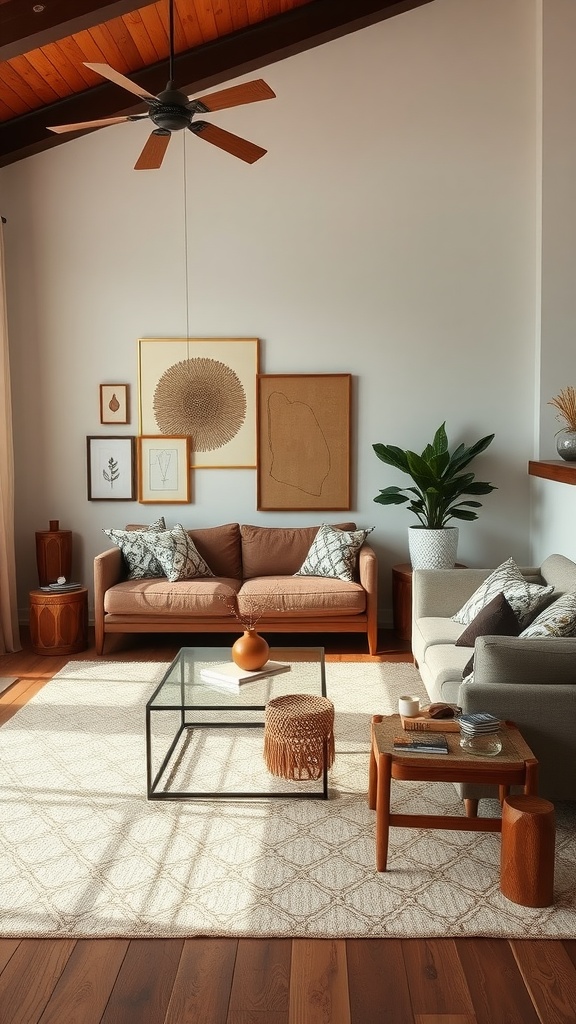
x=496, y=619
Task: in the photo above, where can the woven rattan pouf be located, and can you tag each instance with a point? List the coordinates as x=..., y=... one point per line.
x=299, y=736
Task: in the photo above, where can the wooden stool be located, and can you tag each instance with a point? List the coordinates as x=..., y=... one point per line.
x=527, y=851
x=59, y=621
x=299, y=736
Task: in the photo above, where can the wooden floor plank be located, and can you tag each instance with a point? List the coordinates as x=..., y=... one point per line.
x=29, y=978
x=436, y=978
x=570, y=947
x=550, y=977
x=377, y=982
x=319, y=982
x=261, y=984
x=445, y=1018
x=494, y=981
x=7, y=948
x=84, y=987
x=201, y=991
x=144, y=985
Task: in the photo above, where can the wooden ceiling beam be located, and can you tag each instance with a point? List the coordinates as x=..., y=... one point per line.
x=203, y=68
x=21, y=29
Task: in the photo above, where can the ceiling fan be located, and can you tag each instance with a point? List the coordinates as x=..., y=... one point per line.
x=172, y=110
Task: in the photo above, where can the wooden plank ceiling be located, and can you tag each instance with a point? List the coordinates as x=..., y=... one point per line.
x=43, y=46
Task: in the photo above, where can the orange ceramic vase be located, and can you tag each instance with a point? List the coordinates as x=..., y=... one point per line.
x=250, y=651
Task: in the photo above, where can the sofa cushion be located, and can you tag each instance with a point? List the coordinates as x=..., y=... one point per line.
x=497, y=618
x=269, y=549
x=526, y=599
x=334, y=553
x=138, y=558
x=220, y=548
x=286, y=596
x=177, y=554
x=187, y=599
x=558, y=619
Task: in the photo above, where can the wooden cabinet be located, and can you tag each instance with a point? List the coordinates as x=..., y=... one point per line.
x=59, y=622
x=402, y=599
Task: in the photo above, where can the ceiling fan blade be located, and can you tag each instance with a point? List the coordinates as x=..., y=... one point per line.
x=225, y=140
x=152, y=155
x=250, y=92
x=59, y=128
x=114, y=76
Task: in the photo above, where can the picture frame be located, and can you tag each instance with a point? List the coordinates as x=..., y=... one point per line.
x=114, y=406
x=163, y=470
x=204, y=388
x=303, y=433
x=111, y=468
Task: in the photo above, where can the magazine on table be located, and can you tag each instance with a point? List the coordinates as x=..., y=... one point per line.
x=421, y=743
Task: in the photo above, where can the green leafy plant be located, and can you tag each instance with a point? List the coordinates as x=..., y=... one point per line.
x=438, y=478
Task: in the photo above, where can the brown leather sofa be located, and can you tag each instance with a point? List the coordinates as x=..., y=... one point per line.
x=255, y=563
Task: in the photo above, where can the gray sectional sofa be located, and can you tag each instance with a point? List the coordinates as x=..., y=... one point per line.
x=528, y=680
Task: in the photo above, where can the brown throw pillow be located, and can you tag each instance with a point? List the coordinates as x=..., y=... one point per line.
x=496, y=619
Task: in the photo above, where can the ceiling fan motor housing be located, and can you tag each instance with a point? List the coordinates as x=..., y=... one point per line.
x=171, y=110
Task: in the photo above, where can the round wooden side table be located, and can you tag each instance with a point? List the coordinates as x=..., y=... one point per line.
x=59, y=621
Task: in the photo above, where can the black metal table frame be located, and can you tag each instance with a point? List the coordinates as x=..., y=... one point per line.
x=154, y=782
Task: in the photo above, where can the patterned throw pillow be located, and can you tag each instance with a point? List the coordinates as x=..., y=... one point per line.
x=558, y=619
x=334, y=553
x=139, y=560
x=177, y=554
x=524, y=598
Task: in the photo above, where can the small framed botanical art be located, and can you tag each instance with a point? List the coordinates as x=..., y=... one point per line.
x=163, y=469
x=303, y=431
x=111, y=468
x=114, y=403
x=204, y=388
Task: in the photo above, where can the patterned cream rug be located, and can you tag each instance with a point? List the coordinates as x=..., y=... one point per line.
x=83, y=852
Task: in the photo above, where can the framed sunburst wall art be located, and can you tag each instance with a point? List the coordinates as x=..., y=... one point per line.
x=163, y=470
x=205, y=389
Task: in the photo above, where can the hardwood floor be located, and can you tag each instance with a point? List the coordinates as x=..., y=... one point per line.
x=272, y=981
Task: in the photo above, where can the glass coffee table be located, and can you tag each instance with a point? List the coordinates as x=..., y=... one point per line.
x=205, y=739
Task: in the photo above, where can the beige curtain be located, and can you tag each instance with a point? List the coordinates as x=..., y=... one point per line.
x=9, y=634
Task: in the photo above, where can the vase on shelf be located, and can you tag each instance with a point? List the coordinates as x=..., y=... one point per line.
x=566, y=445
x=250, y=651
x=53, y=553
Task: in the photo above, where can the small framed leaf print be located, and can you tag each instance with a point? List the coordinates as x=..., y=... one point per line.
x=111, y=467
x=114, y=403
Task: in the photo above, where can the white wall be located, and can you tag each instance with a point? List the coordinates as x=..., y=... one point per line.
x=390, y=232
x=554, y=504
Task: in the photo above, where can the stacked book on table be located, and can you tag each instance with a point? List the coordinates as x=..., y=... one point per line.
x=229, y=676
x=421, y=743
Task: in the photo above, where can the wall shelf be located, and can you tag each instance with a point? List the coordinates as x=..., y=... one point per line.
x=554, y=469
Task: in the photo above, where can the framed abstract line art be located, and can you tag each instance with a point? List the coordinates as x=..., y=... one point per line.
x=163, y=469
x=303, y=430
x=111, y=468
x=205, y=389
x=114, y=403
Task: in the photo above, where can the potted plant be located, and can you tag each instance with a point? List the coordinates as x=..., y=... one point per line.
x=565, y=403
x=439, y=484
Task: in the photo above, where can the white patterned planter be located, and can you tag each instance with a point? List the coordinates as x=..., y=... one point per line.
x=433, y=549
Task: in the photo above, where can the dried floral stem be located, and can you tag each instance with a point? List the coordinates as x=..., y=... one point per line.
x=565, y=402
x=254, y=610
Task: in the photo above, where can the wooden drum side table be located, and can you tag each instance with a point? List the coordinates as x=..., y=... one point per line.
x=58, y=621
x=515, y=765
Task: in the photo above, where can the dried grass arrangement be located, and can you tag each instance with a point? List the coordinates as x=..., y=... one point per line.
x=565, y=403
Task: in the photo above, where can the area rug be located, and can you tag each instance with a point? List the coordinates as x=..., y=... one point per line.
x=84, y=853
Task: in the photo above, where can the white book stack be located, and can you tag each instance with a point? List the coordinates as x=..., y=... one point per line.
x=229, y=674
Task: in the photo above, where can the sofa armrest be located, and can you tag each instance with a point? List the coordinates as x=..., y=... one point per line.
x=504, y=660
x=108, y=570
x=440, y=593
x=368, y=577
x=541, y=700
